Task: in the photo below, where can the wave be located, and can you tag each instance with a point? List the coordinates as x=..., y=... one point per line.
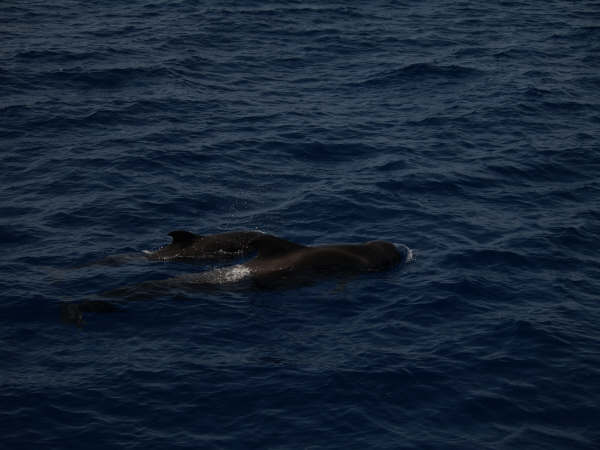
x=420, y=72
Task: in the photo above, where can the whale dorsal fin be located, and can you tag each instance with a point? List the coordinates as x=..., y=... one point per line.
x=269, y=246
x=182, y=237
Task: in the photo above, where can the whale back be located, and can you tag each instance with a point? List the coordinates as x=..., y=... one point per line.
x=189, y=246
x=269, y=246
x=183, y=237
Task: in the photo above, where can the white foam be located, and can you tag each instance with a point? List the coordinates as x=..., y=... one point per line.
x=222, y=275
x=235, y=273
x=410, y=256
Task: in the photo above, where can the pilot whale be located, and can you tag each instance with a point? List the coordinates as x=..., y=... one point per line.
x=276, y=263
x=279, y=261
x=186, y=245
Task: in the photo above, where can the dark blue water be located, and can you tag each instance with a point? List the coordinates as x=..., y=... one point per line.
x=468, y=131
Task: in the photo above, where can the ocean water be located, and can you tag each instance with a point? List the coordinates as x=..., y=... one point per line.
x=467, y=130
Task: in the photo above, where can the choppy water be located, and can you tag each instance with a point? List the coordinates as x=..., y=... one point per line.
x=466, y=130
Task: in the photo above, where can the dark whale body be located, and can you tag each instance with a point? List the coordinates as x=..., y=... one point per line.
x=186, y=245
x=277, y=263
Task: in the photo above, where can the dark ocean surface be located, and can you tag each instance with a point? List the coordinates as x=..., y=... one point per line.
x=469, y=131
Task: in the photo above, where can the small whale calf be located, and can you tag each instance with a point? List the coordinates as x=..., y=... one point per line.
x=276, y=263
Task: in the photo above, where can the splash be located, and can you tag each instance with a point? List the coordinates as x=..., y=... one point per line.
x=235, y=273
x=222, y=275
x=410, y=256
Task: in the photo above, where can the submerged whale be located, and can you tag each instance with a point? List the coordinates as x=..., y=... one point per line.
x=277, y=263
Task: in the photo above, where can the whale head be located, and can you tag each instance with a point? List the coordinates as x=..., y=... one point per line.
x=389, y=254
x=407, y=254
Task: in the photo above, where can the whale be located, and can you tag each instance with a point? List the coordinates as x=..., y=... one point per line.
x=274, y=263
x=279, y=262
x=189, y=246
